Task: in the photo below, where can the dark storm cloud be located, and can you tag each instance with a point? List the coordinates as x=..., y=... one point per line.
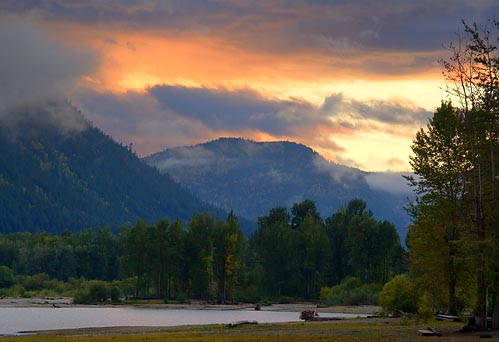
x=234, y=109
x=292, y=25
x=340, y=31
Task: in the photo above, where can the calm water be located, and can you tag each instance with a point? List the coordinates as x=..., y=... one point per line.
x=14, y=320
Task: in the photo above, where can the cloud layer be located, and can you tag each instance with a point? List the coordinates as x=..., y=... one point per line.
x=172, y=116
x=352, y=79
x=239, y=109
x=395, y=37
x=35, y=72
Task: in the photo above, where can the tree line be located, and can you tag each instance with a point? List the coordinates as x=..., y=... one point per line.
x=292, y=254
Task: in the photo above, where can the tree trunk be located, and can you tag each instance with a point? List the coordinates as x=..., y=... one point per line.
x=495, y=311
x=452, y=308
x=481, y=309
x=495, y=318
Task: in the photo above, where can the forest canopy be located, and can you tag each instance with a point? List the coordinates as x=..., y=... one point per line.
x=292, y=254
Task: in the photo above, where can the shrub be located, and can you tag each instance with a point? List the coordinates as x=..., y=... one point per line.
x=182, y=298
x=93, y=291
x=115, y=293
x=425, y=313
x=126, y=286
x=36, y=282
x=399, y=295
x=6, y=277
x=351, y=291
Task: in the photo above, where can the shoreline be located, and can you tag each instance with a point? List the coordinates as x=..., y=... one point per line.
x=345, y=329
x=67, y=302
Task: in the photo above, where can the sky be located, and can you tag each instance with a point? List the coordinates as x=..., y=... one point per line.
x=354, y=80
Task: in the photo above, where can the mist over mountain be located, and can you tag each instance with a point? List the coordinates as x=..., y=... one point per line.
x=58, y=172
x=253, y=177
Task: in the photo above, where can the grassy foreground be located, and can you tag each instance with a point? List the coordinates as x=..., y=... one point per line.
x=386, y=330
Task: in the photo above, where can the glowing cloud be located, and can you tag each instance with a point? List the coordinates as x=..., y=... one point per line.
x=351, y=79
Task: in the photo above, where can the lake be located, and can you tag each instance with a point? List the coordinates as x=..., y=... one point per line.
x=18, y=319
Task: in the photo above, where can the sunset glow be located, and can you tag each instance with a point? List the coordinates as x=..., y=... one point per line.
x=352, y=82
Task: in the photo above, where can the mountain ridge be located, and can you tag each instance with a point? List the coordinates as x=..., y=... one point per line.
x=53, y=178
x=252, y=177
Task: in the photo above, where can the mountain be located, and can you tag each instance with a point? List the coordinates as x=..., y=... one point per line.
x=58, y=172
x=253, y=177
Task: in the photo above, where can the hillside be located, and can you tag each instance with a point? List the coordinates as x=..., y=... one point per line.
x=54, y=177
x=252, y=177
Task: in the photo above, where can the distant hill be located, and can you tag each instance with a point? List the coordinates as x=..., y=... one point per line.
x=253, y=177
x=55, y=176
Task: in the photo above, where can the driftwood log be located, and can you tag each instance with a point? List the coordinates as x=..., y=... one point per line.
x=429, y=332
x=312, y=315
x=453, y=318
x=235, y=324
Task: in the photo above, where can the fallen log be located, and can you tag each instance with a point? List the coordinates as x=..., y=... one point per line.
x=322, y=319
x=442, y=317
x=312, y=315
x=429, y=332
x=235, y=324
x=426, y=332
x=435, y=331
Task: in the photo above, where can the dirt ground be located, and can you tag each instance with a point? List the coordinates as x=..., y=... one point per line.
x=348, y=330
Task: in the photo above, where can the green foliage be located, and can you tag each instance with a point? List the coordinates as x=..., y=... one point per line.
x=351, y=291
x=399, y=295
x=6, y=277
x=362, y=246
x=66, y=255
x=115, y=293
x=275, y=244
x=425, y=312
x=93, y=291
x=36, y=282
x=453, y=240
x=228, y=257
x=210, y=260
x=300, y=211
x=199, y=254
x=300, y=260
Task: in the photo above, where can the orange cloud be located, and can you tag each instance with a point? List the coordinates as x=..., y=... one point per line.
x=135, y=58
x=240, y=54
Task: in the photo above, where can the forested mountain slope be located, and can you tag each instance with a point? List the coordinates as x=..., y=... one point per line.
x=53, y=178
x=252, y=177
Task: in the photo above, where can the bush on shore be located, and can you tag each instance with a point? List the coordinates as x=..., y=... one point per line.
x=351, y=291
x=400, y=295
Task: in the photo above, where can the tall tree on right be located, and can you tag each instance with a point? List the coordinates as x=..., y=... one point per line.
x=437, y=238
x=472, y=73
